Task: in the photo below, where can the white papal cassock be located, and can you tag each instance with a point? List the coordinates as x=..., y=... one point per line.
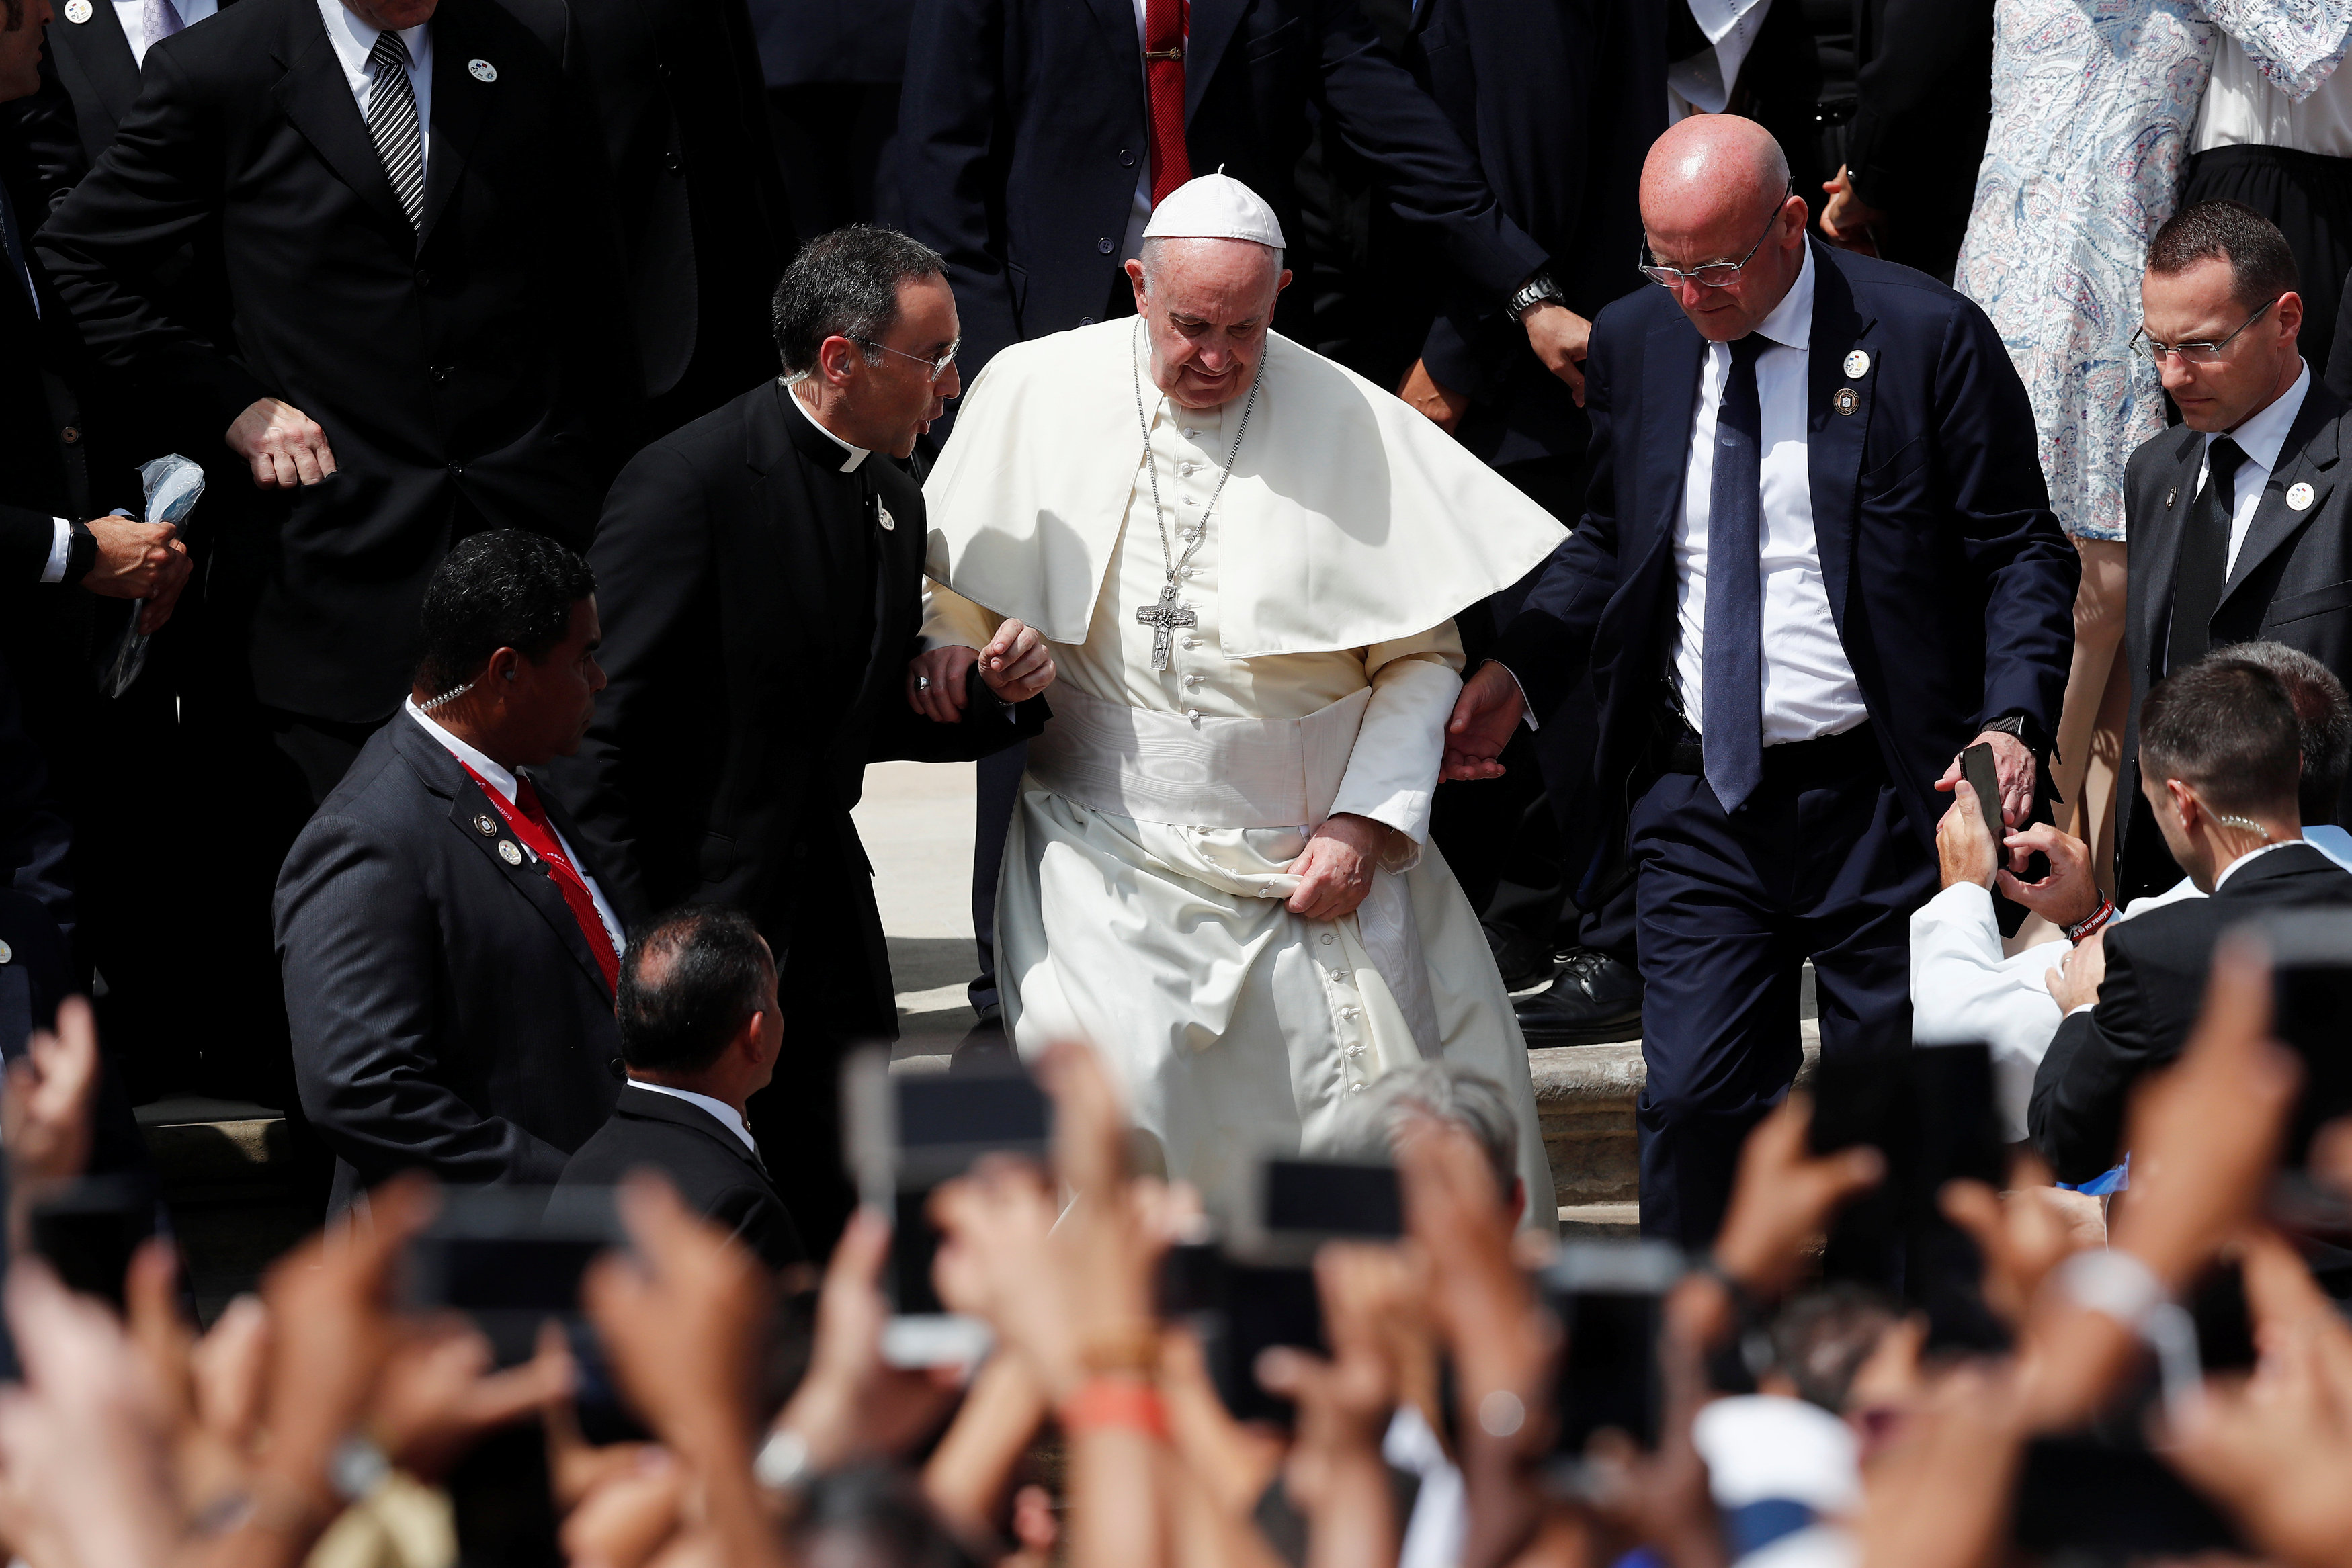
x=1141, y=900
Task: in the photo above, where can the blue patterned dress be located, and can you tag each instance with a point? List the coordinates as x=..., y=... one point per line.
x=2093, y=102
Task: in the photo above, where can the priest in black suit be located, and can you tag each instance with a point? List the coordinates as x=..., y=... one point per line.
x=763, y=572
x=448, y=950
x=700, y=1033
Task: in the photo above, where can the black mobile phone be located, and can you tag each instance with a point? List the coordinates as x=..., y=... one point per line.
x=2223, y=1319
x=1319, y=1199
x=90, y=1229
x=2115, y=1500
x=1264, y=1305
x=1610, y=1298
x=2311, y=980
x=510, y=1258
x=1977, y=768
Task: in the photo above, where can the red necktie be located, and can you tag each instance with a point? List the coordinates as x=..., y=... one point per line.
x=1163, y=79
x=526, y=820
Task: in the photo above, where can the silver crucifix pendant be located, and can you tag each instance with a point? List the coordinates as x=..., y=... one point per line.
x=1163, y=618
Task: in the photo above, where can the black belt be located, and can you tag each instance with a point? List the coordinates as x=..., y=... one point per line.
x=1791, y=762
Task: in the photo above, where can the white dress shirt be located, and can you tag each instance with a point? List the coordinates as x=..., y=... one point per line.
x=352, y=38
x=2241, y=108
x=1809, y=686
x=502, y=779
x=132, y=15
x=726, y=1115
x=852, y=456
x=2259, y=437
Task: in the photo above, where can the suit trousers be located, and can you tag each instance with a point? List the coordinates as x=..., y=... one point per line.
x=1820, y=863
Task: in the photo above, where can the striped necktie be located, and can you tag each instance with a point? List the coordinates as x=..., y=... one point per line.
x=392, y=123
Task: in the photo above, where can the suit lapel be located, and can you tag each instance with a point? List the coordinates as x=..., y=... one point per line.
x=1117, y=18
x=2155, y=549
x=1672, y=361
x=317, y=97
x=1212, y=25
x=2309, y=457
x=1835, y=441
x=462, y=103
x=103, y=51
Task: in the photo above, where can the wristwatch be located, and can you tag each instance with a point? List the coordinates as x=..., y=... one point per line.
x=81, y=551
x=2018, y=724
x=1539, y=289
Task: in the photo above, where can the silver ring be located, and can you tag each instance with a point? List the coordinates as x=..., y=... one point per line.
x=922, y=682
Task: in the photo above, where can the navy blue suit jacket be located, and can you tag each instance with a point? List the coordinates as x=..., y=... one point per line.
x=1951, y=583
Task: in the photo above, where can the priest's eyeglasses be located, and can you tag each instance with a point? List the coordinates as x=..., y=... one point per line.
x=938, y=365
x=2149, y=348
x=1714, y=274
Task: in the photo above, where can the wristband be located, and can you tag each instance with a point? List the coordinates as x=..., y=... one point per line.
x=2092, y=922
x=2115, y=1283
x=1104, y=1403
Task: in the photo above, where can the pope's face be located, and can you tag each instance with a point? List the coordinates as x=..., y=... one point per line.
x=1206, y=304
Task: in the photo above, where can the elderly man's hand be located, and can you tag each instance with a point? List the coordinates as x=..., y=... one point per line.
x=935, y=682
x=1015, y=664
x=2013, y=762
x=1560, y=338
x=1964, y=851
x=2076, y=983
x=1440, y=404
x=1485, y=717
x=1335, y=872
x=2068, y=894
x=284, y=446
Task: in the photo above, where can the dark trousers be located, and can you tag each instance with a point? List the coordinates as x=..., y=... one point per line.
x=1820, y=863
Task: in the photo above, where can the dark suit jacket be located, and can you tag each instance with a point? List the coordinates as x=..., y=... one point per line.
x=2292, y=583
x=1923, y=105
x=714, y=1173
x=1561, y=101
x=758, y=622
x=1951, y=586
x=1021, y=130
x=676, y=88
x=445, y=1011
x=2154, y=985
x=474, y=376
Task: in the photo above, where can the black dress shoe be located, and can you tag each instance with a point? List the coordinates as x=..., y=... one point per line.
x=1524, y=960
x=1595, y=999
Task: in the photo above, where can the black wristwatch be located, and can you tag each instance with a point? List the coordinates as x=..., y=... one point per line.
x=1539, y=289
x=82, y=552
x=2016, y=724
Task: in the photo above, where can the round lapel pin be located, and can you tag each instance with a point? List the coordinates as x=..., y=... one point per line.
x=2298, y=495
x=508, y=852
x=482, y=70
x=1857, y=364
x=486, y=825
x=882, y=515
x=1845, y=399
x=76, y=11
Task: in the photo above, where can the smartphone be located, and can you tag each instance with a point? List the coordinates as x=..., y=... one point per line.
x=2223, y=1321
x=510, y=1258
x=908, y=1133
x=90, y=1229
x=2115, y=1500
x=2311, y=981
x=1977, y=768
x=1609, y=1297
x=1299, y=1203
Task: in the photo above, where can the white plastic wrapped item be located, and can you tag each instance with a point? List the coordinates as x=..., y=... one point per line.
x=172, y=484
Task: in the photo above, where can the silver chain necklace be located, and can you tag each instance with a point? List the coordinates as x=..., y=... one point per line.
x=1165, y=616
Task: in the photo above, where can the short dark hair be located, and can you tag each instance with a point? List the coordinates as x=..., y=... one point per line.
x=2322, y=711
x=2226, y=728
x=845, y=285
x=688, y=982
x=503, y=589
x=2262, y=266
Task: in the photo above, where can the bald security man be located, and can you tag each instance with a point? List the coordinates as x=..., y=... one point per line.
x=1817, y=559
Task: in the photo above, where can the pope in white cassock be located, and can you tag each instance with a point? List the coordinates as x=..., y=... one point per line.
x=1247, y=559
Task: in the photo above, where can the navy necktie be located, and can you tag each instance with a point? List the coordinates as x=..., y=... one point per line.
x=1731, y=668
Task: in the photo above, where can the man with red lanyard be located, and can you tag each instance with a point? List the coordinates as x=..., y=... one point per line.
x=448, y=954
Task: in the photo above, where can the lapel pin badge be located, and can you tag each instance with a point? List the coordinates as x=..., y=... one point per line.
x=882, y=515
x=2298, y=495
x=508, y=852
x=1857, y=364
x=486, y=825
x=2172, y=495
x=1846, y=400
x=482, y=70
x=76, y=11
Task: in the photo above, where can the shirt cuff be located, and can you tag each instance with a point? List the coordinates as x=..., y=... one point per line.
x=60, y=547
x=1526, y=708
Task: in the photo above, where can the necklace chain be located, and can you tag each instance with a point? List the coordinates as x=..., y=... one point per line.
x=1170, y=561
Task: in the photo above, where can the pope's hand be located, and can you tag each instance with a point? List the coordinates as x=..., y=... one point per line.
x=1335, y=871
x=1484, y=716
x=935, y=682
x=1015, y=663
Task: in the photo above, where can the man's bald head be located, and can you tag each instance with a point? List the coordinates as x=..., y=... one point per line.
x=1713, y=189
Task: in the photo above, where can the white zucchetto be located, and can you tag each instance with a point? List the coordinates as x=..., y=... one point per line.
x=1215, y=206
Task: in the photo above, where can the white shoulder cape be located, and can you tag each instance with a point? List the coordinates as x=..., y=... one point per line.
x=1353, y=519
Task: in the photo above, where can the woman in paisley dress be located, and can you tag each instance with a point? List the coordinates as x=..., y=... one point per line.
x=2093, y=103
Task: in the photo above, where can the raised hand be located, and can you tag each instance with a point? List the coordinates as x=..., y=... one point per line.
x=1015, y=663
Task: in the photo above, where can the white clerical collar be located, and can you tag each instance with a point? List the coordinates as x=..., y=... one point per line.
x=2231, y=869
x=494, y=775
x=857, y=453
x=1790, y=324
x=2262, y=436
x=726, y=1115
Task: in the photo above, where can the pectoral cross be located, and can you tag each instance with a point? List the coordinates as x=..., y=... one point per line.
x=1162, y=618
